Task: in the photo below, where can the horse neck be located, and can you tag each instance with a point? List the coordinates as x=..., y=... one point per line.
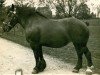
x=38, y=16
x=35, y=18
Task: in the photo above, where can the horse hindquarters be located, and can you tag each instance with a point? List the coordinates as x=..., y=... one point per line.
x=79, y=55
x=79, y=35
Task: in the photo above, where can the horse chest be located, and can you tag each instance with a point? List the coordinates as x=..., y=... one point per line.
x=32, y=35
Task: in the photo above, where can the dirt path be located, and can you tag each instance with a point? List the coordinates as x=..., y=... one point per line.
x=14, y=56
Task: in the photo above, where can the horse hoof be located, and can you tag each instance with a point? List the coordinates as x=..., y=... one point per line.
x=89, y=71
x=34, y=71
x=75, y=71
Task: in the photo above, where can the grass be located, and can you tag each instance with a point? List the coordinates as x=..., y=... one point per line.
x=94, y=45
x=67, y=53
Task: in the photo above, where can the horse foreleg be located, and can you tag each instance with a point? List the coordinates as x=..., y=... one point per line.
x=40, y=62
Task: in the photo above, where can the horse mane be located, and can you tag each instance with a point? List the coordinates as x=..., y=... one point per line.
x=28, y=11
x=39, y=13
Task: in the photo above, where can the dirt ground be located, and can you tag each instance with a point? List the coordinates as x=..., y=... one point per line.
x=14, y=56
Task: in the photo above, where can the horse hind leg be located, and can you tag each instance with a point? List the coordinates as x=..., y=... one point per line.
x=83, y=49
x=79, y=54
x=87, y=54
x=40, y=62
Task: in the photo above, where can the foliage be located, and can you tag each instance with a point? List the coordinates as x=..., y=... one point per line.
x=24, y=2
x=82, y=11
x=64, y=8
x=1, y=4
x=60, y=8
x=45, y=11
x=71, y=5
x=92, y=15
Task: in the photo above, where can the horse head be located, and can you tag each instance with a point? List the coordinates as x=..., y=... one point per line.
x=11, y=19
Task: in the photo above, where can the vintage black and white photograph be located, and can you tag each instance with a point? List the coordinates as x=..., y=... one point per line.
x=50, y=37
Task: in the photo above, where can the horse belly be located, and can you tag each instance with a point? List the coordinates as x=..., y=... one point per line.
x=55, y=44
x=55, y=40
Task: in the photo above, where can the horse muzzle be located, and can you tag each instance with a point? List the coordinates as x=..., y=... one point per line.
x=4, y=28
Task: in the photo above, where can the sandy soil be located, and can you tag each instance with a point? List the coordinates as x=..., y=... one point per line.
x=14, y=56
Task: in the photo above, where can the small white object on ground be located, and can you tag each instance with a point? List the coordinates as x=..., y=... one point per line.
x=19, y=72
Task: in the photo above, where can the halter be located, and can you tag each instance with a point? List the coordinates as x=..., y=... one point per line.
x=8, y=24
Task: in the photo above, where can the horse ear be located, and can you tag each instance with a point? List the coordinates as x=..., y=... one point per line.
x=12, y=7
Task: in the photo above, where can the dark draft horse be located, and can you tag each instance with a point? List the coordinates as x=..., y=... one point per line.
x=41, y=31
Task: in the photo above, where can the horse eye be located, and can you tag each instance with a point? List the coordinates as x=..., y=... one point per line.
x=14, y=18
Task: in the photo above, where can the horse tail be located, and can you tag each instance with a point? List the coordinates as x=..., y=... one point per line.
x=87, y=23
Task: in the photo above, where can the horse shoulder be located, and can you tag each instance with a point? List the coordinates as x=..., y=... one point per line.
x=32, y=34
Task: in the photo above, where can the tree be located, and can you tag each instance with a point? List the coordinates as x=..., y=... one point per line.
x=82, y=11
x=60, y=8
x=29, y=3
x=1, y=4
x=92, y=15
x=71, y=5
x=98, y=11
x=64, y=8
